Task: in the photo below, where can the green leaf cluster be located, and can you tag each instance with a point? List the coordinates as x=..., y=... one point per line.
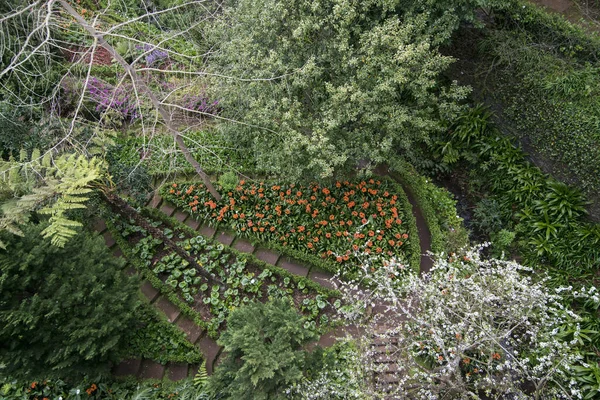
x=48, y=187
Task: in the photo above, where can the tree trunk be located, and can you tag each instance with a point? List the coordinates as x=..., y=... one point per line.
x=140, y=84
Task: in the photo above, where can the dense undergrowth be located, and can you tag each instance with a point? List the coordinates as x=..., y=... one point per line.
x=543, y=73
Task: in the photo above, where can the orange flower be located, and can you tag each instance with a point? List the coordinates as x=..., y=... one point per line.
x=440, y=358
x=272, y=229
x=405, y=236
x=378, y=250
x=174, y=185
x=467, y=360
x=33, y=385
x=309, y=245
x=391, y=242
x=496, y=356
x=338, y=259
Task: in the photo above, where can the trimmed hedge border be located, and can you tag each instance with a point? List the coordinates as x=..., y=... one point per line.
x=421, y=188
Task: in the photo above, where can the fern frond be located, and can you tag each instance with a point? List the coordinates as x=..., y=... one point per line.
x=201, y=376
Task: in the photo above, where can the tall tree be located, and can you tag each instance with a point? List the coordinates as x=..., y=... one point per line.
x=342, y=81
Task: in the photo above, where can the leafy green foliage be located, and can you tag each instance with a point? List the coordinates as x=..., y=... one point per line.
x=335, y=82
x=263, y=343
x=546, y=219
x=157, y=339
x=96, y=388
x=160, y=157
x=228, y=181
x=65, y=310
x=244, y=280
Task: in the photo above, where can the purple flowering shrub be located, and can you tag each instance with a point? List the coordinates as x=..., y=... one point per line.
x=107, y=97
x=201, y=103
x=153, y=57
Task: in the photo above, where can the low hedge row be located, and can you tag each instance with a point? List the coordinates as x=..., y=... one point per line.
x=437, y=206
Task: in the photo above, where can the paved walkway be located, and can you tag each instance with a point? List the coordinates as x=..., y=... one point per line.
x=145, y=369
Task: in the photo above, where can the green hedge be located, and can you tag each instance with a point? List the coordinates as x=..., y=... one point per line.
x=159, y=340
x=437, y=206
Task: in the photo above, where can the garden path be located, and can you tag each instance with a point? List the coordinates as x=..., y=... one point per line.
x=381, y=349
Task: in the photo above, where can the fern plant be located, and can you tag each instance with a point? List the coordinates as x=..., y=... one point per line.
x=201, y=376
x=49, y=187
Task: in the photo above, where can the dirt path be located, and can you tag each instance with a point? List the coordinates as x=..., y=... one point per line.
x=571, y=10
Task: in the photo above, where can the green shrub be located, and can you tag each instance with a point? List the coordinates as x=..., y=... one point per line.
x=263, y=343
x=65, y=310
x=156, y=339
x=228, y=181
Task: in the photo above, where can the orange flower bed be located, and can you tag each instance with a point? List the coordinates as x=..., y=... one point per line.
x=338, y=223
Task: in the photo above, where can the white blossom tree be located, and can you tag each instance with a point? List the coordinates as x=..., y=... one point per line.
x=472, y=327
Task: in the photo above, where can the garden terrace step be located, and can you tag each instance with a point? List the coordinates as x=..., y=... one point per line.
x=192, y=223
x=210, y=350
x=167, y=209
x=266, y=255
x=155, y=201
x=387, y=378
x=192, y=331
x=384, y=358
x=149, y=291
x=180, y=216
x=177, y=371
x=151, y=370
x=243, y=245
x=225, y=237
x=128, y=367
x=207, y=231
x=293, y=266
x=324, y=279
x=169, y=309
x=109, y=240
x=384, y=348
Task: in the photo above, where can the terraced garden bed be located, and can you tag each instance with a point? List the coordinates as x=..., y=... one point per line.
x=244, y=278
x=339, y=225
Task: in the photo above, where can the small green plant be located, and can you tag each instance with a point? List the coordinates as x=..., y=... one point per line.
x=228, y=181
x=201, y=376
